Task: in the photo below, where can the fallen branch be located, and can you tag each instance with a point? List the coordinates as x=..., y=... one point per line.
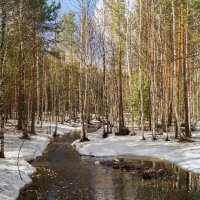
x=18, y=159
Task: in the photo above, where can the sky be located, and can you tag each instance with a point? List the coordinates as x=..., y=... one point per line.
x=73, y=5
x=67, y=5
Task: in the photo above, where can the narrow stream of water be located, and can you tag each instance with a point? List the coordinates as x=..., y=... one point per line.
x=63, y=174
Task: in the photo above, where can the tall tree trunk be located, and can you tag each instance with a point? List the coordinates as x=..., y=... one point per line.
x=140, y=73
x=152, y=68
x=38, y=89
x=83, y=71
x=175, y=93
x=185, y=71
x=33, y=84
x=21, y=61
x=2, y=64
x=128, y=57
x=121, y=110
x=22, y=108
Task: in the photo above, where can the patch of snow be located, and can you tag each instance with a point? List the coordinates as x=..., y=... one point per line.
x=97, y=162
x=184, y=155
x=10, y=180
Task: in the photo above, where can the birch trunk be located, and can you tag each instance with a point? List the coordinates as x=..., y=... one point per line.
x=175, y=99
x=140, y=73
x=152, y=69
x=83, y=76
x=128, y=66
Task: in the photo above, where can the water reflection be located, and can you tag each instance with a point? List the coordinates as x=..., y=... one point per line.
x=63, y=174
x=125, y=186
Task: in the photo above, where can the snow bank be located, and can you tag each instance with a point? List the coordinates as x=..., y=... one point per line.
x=185, y=155
x=10, y=180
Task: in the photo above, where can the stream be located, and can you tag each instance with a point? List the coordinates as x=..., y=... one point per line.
x=63, y=174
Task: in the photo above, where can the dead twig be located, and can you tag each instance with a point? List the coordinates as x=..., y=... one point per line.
x=18, y=159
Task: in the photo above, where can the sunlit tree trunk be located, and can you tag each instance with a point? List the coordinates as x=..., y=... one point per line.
x=175, y=99
x=121, y=109
x=128, y=59
x=83, y=84
x=140, y=71
x=185, y=69
x=152, y=68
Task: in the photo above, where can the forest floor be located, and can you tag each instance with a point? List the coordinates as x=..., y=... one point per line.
x=11, y=180
x=184, y=154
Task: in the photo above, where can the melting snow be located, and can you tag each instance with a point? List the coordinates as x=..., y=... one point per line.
x=10, y=181
x=185, y=155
